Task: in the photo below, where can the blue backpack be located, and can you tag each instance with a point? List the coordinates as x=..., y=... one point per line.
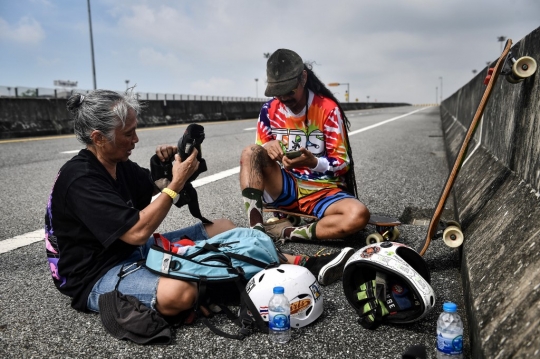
x=221, y=266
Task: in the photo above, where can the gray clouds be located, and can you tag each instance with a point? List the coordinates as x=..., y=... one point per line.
x=389, y=50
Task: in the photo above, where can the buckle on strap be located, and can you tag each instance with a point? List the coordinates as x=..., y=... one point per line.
x=245, y=328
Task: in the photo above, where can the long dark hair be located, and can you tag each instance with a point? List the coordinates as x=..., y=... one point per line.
x=314, y=84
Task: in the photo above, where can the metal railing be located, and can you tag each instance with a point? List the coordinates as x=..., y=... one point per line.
x=41, y=92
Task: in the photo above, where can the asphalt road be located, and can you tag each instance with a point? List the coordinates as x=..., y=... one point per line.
x=400, y=169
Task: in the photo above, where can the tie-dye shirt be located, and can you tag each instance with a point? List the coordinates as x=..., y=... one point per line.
x=321, y=131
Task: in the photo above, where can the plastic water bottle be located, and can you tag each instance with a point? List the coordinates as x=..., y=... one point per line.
x=279, y=317
x=449, y=333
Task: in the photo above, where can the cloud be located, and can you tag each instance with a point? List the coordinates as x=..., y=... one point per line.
x=27, y=31
x=216, y=86
x=392, y=50
x=150, y=56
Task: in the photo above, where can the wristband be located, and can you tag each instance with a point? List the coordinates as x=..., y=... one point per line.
x=174, y=195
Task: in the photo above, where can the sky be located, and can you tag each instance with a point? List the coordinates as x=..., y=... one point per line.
x=390, y=50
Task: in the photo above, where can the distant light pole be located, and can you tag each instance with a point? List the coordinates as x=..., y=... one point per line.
x=9, y=90
x=348, y=94
x=92, y=44
x=501, y=40
x=440, y=78
x=436, y=95
x=367, y=99
x=256, y=88
x=127, y=84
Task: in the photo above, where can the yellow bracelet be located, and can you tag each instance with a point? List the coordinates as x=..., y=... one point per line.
x=170, y=192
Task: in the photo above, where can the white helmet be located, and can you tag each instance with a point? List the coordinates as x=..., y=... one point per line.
x=388, y=282
x=301, y=288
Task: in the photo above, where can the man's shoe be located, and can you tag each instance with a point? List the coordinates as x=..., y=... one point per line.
x=328, y=268
x=275, y=229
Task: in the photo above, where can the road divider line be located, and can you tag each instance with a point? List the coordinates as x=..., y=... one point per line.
x=385, y=122
x=21, y=241
x=36, y=236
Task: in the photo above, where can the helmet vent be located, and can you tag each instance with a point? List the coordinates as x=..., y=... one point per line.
x=261, y=278
x=280, y=270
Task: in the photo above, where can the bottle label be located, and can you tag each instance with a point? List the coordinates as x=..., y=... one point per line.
x=450, y=344
x=279, y=321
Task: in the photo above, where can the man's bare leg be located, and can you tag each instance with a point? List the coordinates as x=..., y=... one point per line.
x=341, y=219
x=258, y=172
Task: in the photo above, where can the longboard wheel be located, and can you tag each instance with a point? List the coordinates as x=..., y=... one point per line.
x=374, y=238
x=453, y=223
x=452, y=236
x=272, y=219
x=393, y=235
x=295, y=220
x=512, y=79
x=524, y=67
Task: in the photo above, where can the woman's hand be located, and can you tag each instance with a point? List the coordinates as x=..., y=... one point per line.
x=166, y=152
x=182, y=171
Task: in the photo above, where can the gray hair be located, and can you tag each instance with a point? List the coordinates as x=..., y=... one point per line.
x=101, y=110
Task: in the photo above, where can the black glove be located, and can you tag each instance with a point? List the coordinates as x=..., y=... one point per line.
x=159, y=170
x=188, y=195
x=192, y=138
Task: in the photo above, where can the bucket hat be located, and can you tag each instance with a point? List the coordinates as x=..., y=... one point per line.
x=282, y=71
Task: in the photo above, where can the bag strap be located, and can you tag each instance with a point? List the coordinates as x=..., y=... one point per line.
x=240, y=257
x=246, y=321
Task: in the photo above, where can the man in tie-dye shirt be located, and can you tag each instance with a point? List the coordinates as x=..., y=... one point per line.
x=303, y=116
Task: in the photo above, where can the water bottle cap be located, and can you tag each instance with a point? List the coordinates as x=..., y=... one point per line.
x=279, y=290
x=449, y=307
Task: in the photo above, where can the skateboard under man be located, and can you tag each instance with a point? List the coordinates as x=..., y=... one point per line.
x=515, y=71
x=385, y=227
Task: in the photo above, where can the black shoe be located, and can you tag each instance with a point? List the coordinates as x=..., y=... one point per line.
x=328, y=268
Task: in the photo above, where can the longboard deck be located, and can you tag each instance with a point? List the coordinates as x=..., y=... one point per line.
x=445, y=193
x=374, y=219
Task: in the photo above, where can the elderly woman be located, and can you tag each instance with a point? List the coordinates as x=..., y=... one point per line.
x=100, y=216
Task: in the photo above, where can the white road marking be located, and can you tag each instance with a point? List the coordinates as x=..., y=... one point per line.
x=250, y=128
x=215, y=177
x=21, y=241
x=73, y=151
x=385, y=122
x=36, y=236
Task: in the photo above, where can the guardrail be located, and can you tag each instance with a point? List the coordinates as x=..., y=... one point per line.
x=42, y=92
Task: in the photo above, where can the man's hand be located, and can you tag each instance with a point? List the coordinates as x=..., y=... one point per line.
x=274, y=150
x=306, y=159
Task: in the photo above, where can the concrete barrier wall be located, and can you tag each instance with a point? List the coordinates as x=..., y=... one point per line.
x=25, y=117
x=498, y=202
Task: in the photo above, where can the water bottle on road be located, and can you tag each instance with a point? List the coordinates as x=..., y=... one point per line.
x=279, y=317
x=449, y=333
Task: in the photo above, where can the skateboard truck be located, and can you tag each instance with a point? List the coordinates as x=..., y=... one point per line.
x=514, y=70
x=383, y=234
x=385, y=229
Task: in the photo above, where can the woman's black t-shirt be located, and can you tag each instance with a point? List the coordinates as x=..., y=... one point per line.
x=86, y=214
